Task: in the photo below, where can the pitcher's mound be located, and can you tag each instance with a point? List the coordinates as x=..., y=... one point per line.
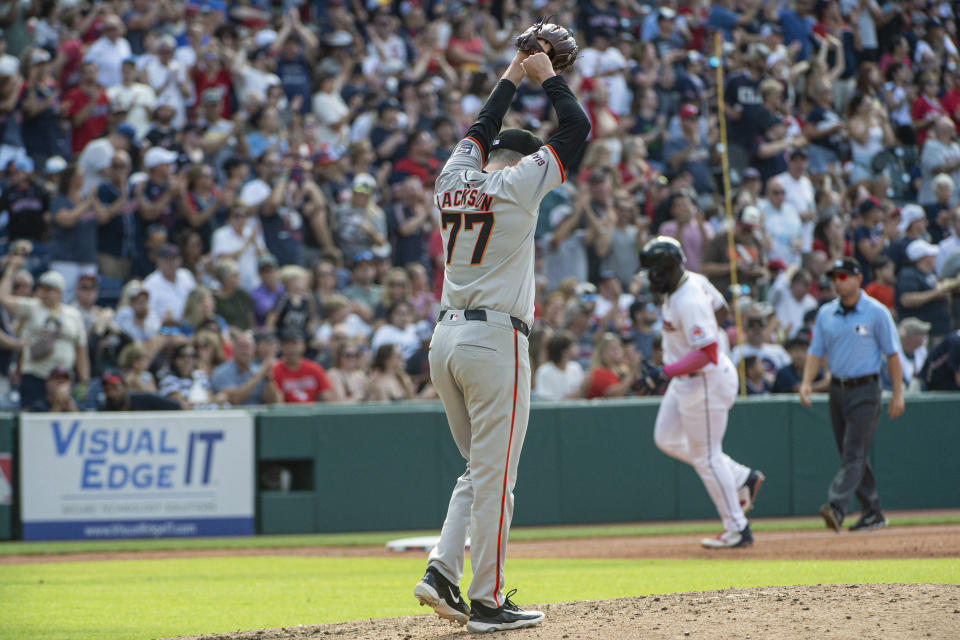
x=824, y=612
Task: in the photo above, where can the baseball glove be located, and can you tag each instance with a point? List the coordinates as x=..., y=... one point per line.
x=563, y=48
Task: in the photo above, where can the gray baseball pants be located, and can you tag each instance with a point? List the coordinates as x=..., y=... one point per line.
x=481, y=371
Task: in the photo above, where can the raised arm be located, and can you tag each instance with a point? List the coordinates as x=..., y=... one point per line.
x=570, y=138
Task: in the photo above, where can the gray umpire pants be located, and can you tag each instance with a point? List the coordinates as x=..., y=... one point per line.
x=481, y=371
x=855, y=413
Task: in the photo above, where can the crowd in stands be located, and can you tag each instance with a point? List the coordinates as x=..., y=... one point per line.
x=216, y=203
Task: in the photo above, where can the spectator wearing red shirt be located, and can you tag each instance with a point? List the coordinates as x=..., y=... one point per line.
x=211, y=74
x=301, y=381
x=951, y=100
x=926, y=108
x=613, y=369
x=420, y=160
x=86, y=106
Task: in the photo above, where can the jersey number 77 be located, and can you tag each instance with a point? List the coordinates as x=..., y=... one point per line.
x=466, y=221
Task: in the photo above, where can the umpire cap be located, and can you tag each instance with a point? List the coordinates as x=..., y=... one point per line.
x=519, y=140
x=661, y=251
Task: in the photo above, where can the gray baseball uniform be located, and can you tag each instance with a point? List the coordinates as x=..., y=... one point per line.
x=479, y=360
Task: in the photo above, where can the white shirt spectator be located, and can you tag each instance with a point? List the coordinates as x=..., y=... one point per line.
x=330, y=108
x=137, y=100
x=168, y=298
x=125, y=321
x=789, y=310
x=603, y=306
x=94, y=158
x=801, y=195
x=254, y=85
x=783, y=226
x=935, y=154
x=108, y=55
x=772, y=356
x=226, y=241
x=553, y=384
x=405, y=338
x=164, y=80
x=947, y=246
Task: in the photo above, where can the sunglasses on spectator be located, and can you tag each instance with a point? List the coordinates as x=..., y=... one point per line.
x=839, y=275
x=755, y=323
x=778, y=192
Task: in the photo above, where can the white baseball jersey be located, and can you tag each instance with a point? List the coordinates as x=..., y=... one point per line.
x=487, y=221
x=692, y=419
x=688, y=318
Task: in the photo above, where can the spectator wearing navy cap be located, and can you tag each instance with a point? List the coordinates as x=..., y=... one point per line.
x=919, y=294
x=116, y=242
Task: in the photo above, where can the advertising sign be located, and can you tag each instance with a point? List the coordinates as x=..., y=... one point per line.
x=6, y=478
x=136, y=475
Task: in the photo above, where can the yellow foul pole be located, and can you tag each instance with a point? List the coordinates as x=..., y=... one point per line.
x=728, y=208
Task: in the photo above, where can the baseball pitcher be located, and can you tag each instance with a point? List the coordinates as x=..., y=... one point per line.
x=488, y=194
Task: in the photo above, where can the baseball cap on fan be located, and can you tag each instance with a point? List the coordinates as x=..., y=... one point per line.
x=519, y=140
x=919, y=249
x=364, y=183
x=910, y=214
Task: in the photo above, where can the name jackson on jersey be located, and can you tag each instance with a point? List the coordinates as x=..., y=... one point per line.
x=464, y=198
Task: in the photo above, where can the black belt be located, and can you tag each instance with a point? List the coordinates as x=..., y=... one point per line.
x=846, y=383
x=481, y=315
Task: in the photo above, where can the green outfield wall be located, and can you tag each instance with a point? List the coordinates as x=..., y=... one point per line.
x=386, y=467
x=340, y=468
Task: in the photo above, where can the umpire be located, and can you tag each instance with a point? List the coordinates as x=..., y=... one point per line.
x=853, y=332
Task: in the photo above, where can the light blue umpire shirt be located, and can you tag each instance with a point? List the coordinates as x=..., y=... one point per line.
x=854, y=342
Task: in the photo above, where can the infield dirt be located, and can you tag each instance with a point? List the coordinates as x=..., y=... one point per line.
x=855, y=612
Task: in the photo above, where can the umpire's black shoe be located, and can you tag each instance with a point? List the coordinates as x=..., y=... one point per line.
x=832, y=516
x=870, y=521
x=484, y=619
x=444, y=596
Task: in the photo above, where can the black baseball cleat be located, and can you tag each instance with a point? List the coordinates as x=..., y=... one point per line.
x=748, y=492
x=443, y=596
x=868, y=522
x=484, y=619
x=832, y=516
x=730, y=540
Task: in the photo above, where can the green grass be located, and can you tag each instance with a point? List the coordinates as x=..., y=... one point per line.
x=151, y=598
x=381, y=538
